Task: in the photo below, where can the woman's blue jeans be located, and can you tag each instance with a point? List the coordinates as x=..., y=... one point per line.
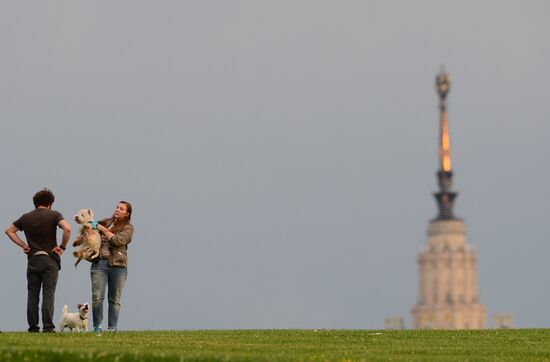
x=112, y=278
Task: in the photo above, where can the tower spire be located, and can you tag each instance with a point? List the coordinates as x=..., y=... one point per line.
x=445, y=197
x=447, y=288
x=443, y=85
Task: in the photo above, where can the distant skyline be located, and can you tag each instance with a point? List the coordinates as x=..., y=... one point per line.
x=280, y=156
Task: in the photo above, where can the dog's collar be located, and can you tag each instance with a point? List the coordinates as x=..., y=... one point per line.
x=82, y=318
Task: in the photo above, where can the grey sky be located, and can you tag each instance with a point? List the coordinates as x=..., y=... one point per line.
x=280, y=155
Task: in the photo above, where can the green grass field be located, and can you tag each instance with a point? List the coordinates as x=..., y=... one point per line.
x=280, y=345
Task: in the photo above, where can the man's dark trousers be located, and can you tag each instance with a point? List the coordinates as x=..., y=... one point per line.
x=42, y=272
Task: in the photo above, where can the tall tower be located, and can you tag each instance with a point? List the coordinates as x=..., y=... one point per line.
x=447, y=297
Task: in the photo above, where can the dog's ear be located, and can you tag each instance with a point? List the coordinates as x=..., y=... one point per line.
x=79, y=305
x=89, y=212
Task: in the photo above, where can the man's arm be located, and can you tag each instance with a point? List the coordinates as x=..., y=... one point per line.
x=63, y=224
x=11, y=232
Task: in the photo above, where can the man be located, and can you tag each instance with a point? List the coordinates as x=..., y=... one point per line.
x=44, y=256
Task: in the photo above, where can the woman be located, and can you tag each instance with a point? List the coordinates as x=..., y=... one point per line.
x=109, y=270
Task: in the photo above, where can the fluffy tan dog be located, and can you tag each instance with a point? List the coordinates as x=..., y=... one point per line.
x=88, y=237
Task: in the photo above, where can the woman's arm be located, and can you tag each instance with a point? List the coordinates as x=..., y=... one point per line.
x=123, y=237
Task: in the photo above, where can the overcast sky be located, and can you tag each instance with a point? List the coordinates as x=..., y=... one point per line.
x=280, y=155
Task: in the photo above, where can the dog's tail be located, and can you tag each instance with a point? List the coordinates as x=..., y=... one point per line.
x=65, y=309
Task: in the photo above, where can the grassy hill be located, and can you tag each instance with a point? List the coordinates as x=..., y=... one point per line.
x=280, y=345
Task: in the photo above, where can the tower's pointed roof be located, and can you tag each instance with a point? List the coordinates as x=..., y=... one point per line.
x=445, y=197
x=443, y=85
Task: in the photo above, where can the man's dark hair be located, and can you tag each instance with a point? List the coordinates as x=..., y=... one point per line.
x=43, y=198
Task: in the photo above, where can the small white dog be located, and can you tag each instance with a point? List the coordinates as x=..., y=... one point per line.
x=78, y=321
x=88, y=238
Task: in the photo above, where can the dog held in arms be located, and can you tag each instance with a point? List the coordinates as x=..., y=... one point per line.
x=75, y=321
x=88, y=237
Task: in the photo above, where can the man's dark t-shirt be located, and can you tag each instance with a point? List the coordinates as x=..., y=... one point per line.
x=40, y=228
